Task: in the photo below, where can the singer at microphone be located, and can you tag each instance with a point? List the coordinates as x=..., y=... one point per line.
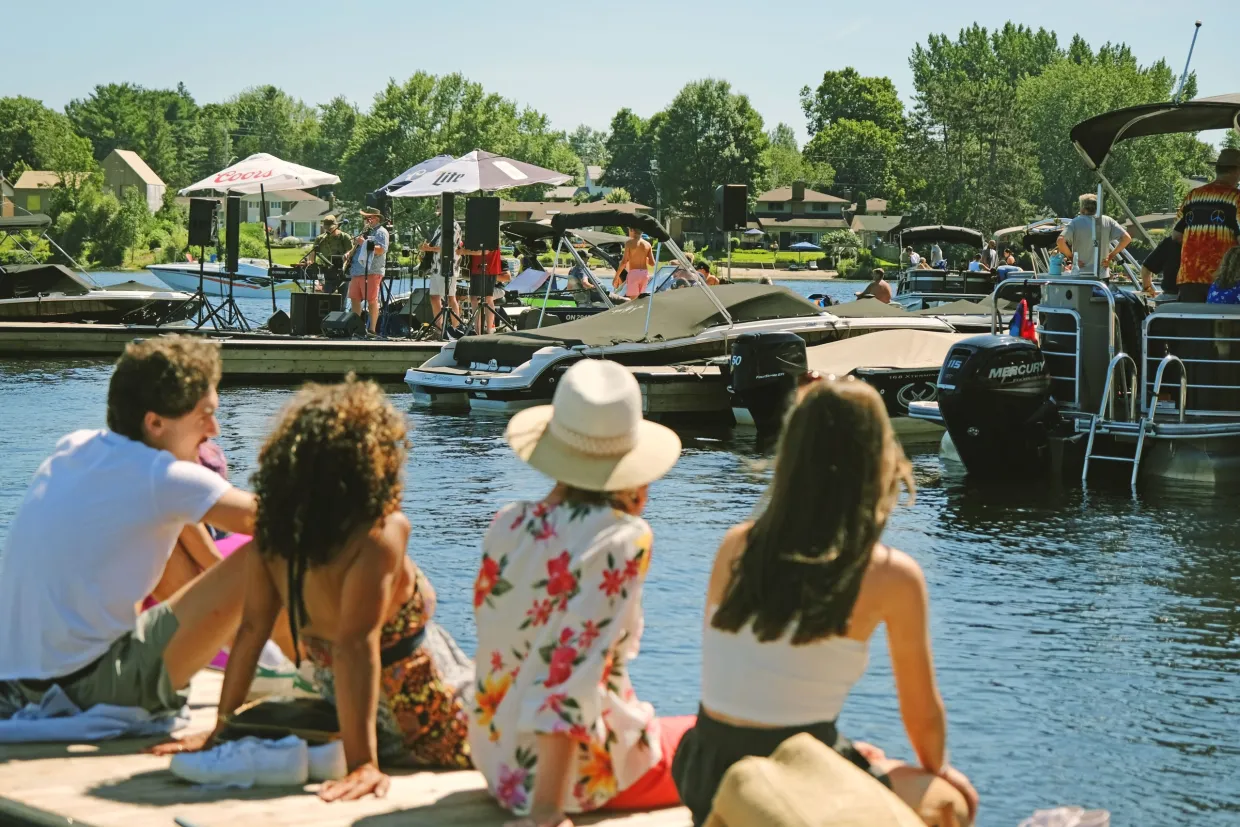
x=329, y=250
x=369, y=262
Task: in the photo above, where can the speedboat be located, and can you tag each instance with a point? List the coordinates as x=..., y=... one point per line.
x=510, y=371
x=39, y=292
x=1109, y=384
x=252, y=278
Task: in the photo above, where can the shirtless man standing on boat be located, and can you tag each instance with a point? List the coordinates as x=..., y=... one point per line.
x=96, y=528
x=638, y=258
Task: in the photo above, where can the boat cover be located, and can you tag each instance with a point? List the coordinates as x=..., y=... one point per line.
x=943, y=233
x=677, y=314
x=895, y=349
x=15, y=223
x=19, y=281
x=866, y=309
x=564, y=222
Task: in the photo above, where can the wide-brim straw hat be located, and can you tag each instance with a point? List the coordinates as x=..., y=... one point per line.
x=369, y=212
x=592, y=436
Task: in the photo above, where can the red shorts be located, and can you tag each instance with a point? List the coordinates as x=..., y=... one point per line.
x=368, y=285
x=656, y=788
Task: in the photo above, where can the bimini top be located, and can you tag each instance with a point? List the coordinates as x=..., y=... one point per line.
x=563, y=222
x=24, y=222
x=534, y=230
x=939, y=232
x=1095, y=137
x=677, y=314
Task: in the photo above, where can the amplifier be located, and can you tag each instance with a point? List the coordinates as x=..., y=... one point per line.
x=308, y=310
x=341, y=324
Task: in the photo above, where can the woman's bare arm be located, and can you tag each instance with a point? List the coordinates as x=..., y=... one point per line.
x=729, y=552
x=258, y=617
x=197, y=542
x=906, y=613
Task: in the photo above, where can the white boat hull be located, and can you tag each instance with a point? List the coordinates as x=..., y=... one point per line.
x=251, y=279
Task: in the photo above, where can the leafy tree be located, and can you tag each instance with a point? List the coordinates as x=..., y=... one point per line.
x=630, y=146
x=129, y=227
x=785, y=163
x=847, y=95
x=337, y=121
x=863, y=154
x=217, y=122
x=590, y=145
x=267, y=119
x=711, y=136
x=35, y=137
x=619, y=195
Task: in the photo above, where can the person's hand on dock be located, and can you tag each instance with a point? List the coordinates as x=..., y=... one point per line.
x=363, y=781
x=197, y=742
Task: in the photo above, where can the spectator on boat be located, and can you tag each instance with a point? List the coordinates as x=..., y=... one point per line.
x=922, y=264
x=637, y=259
x=557, y=728
x=1008, y=258
x=703, y=269
x=936, y=256
x=765, y=280
x=335, y=557
x=878, y=288
x=1078, y=238
x=913, y=258
x=990, y=256
x=976, y=265
x=794, y=597
x=1226, y=286
x=371, y=253
x=96, y=529
x=1208, y=225
x=1164, y=262
x=442, y=289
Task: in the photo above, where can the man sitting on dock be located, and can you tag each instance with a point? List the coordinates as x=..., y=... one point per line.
x=99, y=522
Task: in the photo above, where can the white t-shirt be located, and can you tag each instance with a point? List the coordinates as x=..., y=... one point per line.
x=914, y=259
x=89, y=541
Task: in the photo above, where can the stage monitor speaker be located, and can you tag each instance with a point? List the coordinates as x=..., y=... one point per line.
x=308, y=310
x=482, y=223
x=232, y=231
x=342, y=324
x=280, y=323
x=731, y=201
x=202, y=222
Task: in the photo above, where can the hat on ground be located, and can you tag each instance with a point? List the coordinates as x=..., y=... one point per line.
x=1228, y=157
x=592, y=435
x=328, y=220
x=370, y=212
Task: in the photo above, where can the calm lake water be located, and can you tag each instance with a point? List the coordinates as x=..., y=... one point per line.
x=1087, y=644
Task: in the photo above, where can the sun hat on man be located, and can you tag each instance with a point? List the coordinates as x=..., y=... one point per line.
x=370, y=212
x=328, y=220
x=592, y=436
x=1228, y=157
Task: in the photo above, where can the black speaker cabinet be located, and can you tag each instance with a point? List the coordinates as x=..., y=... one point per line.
x=482, y=223
x=308, y=310
x=202, y=222
x=342, y=324
x=732, y=200
x=232, y=230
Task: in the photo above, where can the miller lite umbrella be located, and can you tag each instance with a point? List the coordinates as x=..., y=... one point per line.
x=478, y=171
x=415, y=172
x=263, y=173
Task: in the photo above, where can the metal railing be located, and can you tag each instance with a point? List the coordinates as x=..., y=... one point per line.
x=1195, y=341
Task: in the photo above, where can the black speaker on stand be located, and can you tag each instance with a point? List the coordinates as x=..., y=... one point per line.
x=202, y=231
x=731, y=201
x=482, y=224
x=232, y=315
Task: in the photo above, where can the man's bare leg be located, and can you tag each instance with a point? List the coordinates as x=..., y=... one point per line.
x=208, y=612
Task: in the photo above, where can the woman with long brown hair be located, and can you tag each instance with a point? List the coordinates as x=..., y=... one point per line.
x=796, y=594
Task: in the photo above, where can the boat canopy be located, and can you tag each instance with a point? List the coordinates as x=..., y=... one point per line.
x=677, y=314
x=564, y=222
x=1096, y=136
x=940, y=232
x=535, y=231
x=17, y=223
x=23, y=281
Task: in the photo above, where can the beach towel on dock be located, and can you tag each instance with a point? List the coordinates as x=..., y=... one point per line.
x=57, y=719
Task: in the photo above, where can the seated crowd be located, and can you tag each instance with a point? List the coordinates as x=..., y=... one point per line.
x=549, y=715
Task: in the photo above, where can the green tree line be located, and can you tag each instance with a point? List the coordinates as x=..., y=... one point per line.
x=984, y=144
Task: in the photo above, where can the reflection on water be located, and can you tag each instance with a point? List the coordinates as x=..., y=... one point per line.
x=1087, y=643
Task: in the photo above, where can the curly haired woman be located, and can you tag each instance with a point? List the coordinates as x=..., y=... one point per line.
x=331, y=543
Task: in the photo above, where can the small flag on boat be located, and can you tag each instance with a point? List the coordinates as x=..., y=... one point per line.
x=1022, y=323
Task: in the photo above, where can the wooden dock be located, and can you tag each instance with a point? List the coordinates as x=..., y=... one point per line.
x=248, y=357
x=115, y=783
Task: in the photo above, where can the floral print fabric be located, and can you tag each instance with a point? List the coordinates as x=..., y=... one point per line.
x=558, y=608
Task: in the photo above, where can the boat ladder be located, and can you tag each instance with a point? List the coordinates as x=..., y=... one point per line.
x=1106, y=423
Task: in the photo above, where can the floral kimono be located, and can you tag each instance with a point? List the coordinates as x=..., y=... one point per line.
x=558, y=608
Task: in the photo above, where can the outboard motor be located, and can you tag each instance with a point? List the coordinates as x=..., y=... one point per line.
x=764, y=370
x=995, y=398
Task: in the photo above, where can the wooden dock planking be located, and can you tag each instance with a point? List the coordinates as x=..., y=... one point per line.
x=248, y=357
x=114, y=784
x=682, y=389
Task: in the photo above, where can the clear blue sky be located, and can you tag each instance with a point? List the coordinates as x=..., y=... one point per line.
x=578, y=62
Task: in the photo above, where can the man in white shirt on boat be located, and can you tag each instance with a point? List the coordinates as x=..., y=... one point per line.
x=96, y=528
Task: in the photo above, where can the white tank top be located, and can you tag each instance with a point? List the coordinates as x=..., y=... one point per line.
x=777, y=683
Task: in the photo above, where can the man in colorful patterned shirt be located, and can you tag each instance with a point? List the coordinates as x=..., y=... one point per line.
x=1208, y=224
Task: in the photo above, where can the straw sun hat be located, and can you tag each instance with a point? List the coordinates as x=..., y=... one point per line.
x=592, y=436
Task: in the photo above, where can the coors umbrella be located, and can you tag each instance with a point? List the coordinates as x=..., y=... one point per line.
x=478, y=172
x=263, y=173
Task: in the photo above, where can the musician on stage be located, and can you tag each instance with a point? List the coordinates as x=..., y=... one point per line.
x=369, y=262
x=329, y=252
x=444, y=290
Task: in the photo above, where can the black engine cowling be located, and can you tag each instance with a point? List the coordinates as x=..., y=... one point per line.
x=995, y=398
x=764, y=369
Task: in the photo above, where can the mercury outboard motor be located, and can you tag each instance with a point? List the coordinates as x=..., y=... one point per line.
x=995, y=398
x=764, y=370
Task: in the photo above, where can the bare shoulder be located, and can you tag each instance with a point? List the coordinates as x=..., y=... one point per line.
x=896, y=570
x=730, y=550
x=384, y=545
x=734, y=541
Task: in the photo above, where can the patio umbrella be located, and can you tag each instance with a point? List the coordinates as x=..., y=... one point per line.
x=753, y=232
x=259, y=173
x=479, y=171
x=415, y=172
x=804, y=247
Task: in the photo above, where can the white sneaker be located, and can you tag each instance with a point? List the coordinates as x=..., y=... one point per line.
x=247, y=763
x=327, y=762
